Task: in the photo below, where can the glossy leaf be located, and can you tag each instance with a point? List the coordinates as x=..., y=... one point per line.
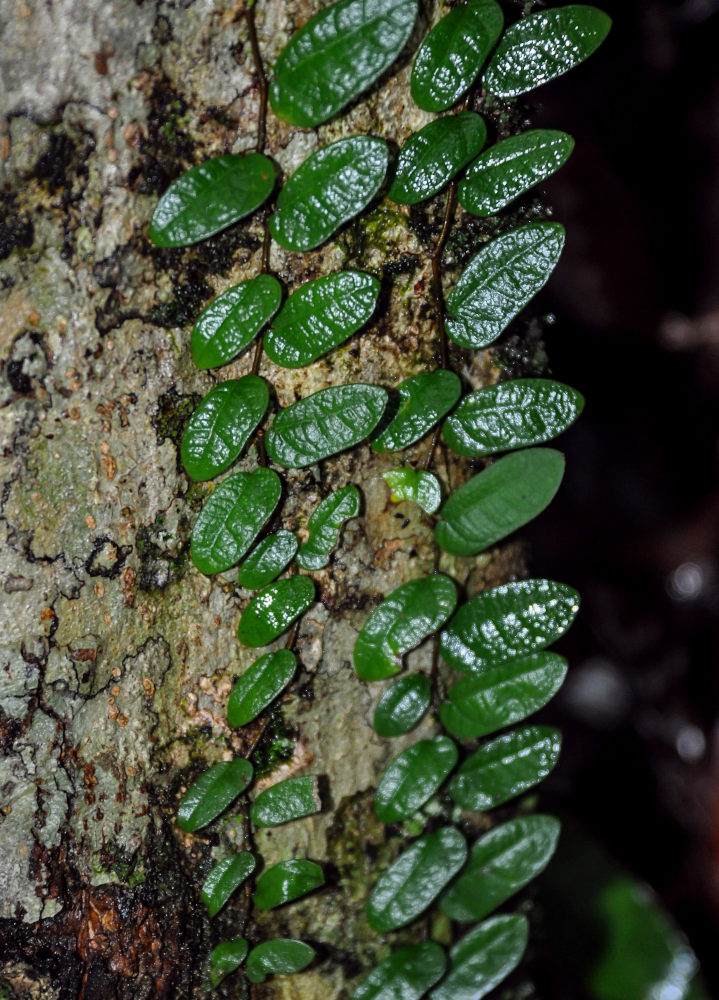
x=330, y=187
x=413, y=777
x=402, y=705
x=233, y=319
x=500, y=280
x=290, y=799
x=232, y=517
x=501, y=863
x=543, y=46
x=225, y=958
x=324, y=526
x=337, y=55
x=424, y=399
x=273, y=610
x=499, y=500
x=267, y=560
x=508, y=621
x=406, y=975
x=210, y=197
x=415, y=879
x=260, y=684
x=325, y=423
x=483, y=958
x=506, y=767
x=431, y=157
x=220, y=426
x=213, y=792
x=420, y=487
x=453, y=53
x=410, y=613
x=280, y=955
x=514, y=414
x=286, y=881
x=224, y=878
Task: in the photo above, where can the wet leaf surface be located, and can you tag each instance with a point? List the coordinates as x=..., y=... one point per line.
x=324, y=526
x=424, y=399
x=224, y=878
x=483, y=958
x=286, y=881
x=421, y=488
x=272, y=611
x=290, y=799
x=267, y=560
x=431, y=157
x=260, y=684
x=402, y=705
x=233, y=319
x=281, y=955
x=406, y=975
x=413, y=777
x=211, y=793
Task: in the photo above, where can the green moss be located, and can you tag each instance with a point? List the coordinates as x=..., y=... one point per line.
x=173, y=412
x=276, y=746
x=359, y=845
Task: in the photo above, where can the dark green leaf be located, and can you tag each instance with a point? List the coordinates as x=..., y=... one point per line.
x=232, y=319
x=413, y=777
x=508, y=621
x=267, y=560
x=259, y=686
x=421, y=488
x=286, y=881
x=410, y=613
x=210, y=197
x=220, y=426
x=224, y=878
x=232, y=517
x=483, y=958
x=406, y=975
x=500, y=280
x=287, y=800
x=337, y=55
x=416, y=878
x=505, y=767
x=213, y=792
x=424, y=399
x=431, y=157
x=225, y=958
x=273, y=610
x=499, y=500
x=453, y=53
x=325, y=423
x=324, y=526
x=402, y=705
x=330, y=187
x=543, y=46
x=277, y=956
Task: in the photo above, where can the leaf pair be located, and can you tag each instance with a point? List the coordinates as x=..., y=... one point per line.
x=280, y=955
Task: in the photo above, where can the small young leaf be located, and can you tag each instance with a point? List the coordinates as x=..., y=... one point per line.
x=225, y=958
x=330, y=187
x=286, y=881
x=278, y=956
x=425, y=399
x=337, y=55
x=514, y=414
x=543, y=46
x=273, y=610
x=213, y=792
x=453, y=53
x=498, y=501
x=421, y=488
x=505, y=767
x=406, y=975
x=232, y=517
x=325, y=423
x=224, y=878
x=267, y=560
x=324, y=526
x=501, y=863
x=483, y=958
x=413, y=777
x=259, y=686
x=410, y=613
x=415, y=879
x=210, y=197
x=220, y=426
x=507, y=622
x=500, y=280
x=231, y=320
x=431, y=157
x=402, y=705
x=290, y=799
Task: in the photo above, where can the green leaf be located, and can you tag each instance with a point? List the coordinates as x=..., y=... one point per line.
x=337, y=55
x=213, y=792
x=421, y=488
x=324, y=526
x=267, y=560
x=290, y=799
x=514, y=414
x=225, y=958
x=232, y=517
x=230, y=321
x=410, y=613
x=504, y=497
x=259, y=686
x=220, y=426
x=402, y=705
x=413, y=777
x=415, y=879
x=325, y=423
x=286, y=881
x=224, y=878
x=431, y=157
x=453, y=53
x=330, y=187
x=543, y=46
x=502, y=695
x=500, y=280
x=424, y=399
x=483, y=958
x=279, y=955
x=210, y=197
x=512, y=167
x=406, y=975
x=501, y=863
x=506, y=622
x=273, y=610
x=505, y=767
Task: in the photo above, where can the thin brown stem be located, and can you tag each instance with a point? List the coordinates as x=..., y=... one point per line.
x=261, y=78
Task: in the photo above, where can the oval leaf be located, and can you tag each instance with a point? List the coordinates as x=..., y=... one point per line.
x=483, y=958
x=273, y=610
x=231, y=320
x=324, y=526
x=213, y=792
x=424, y=399
x=431, y=157
x=421, y=488
x=286, y=881
x=406, y=975
x=224, y=878
x=278, y=956
x=290, y=799
x=413, y=777
x=210, y=197
x=259, y=686
x=402, y=705
x=225, y=958
x=267, y=560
